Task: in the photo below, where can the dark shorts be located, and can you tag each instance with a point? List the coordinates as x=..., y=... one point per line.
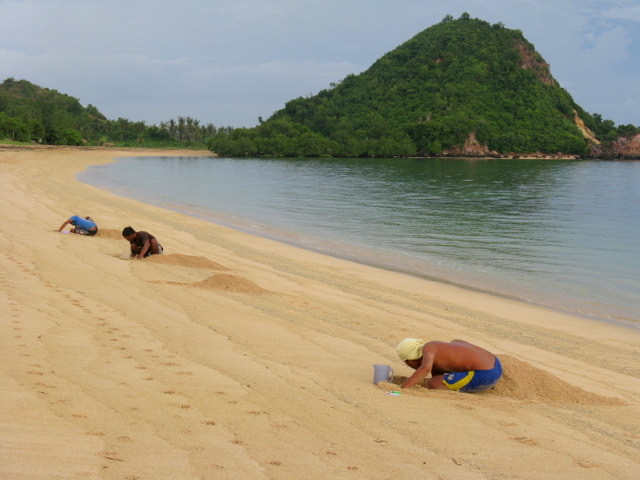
x=81, y=231
x=474, y=380
x=157, y=252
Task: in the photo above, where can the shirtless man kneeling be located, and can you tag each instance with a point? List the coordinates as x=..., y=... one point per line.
x=457, y=365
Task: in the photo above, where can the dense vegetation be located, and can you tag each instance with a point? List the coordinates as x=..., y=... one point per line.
x=426, y=97
x=29, y=113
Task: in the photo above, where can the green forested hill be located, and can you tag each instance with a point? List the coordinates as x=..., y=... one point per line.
x=457, y=80
x=33, y=114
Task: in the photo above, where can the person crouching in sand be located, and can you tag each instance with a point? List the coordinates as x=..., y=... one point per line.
x=457, y=365
x=82, y=226
x=143, y=244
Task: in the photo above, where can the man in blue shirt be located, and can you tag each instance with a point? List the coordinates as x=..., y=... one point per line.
x=82, y=226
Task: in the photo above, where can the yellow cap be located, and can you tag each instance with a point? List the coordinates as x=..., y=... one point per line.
x=410, y=348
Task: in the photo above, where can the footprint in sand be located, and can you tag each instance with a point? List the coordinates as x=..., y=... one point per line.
x=525, y=440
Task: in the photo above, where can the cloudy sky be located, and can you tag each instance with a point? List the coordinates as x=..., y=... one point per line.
x=228, y=62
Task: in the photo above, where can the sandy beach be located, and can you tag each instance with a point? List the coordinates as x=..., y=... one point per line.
x=236, y=357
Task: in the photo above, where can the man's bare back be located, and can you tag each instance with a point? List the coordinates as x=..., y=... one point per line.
x=459, y=356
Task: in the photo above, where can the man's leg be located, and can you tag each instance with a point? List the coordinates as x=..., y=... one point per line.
x=436, y=382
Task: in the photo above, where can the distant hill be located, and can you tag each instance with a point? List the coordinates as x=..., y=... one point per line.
x=41, y=115
x=460, y=87
x=33, y=114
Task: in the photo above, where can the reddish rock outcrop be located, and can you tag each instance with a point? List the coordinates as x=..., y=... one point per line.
x=627, y=147
x=531, y=60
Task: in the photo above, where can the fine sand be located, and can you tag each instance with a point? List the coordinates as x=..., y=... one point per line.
x=237, y=357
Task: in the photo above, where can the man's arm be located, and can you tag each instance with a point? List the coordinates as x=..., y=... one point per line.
x=144, y=239
x=423, y=370
x=144, y=249
x=67, y=222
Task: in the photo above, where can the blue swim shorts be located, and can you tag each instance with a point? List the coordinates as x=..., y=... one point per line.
x=473, y=380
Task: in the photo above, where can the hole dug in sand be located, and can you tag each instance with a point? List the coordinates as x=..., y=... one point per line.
x=522, y=381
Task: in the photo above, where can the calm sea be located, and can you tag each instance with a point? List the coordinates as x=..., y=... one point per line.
x=562, y=234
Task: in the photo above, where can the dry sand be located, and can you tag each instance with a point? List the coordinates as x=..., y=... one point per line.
x=233, y=356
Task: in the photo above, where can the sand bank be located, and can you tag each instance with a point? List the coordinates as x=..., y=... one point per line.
x=233, y=356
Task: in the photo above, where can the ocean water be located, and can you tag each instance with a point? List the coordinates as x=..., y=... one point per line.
x=562, y=234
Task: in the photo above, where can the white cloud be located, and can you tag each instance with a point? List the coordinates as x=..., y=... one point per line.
x=629, y=13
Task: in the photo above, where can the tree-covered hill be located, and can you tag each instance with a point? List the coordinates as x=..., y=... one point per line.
x=33, y=114
x=459, y=87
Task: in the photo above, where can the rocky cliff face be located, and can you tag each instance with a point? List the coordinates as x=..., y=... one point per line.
x=471, y=148
x=534, y=62
x=623, y=148
x=588, y=134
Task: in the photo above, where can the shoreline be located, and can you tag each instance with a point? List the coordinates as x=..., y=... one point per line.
x=584, y=306
x=235, y=356
x=369, y=261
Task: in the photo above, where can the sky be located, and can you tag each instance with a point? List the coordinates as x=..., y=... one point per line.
x=231, y=62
